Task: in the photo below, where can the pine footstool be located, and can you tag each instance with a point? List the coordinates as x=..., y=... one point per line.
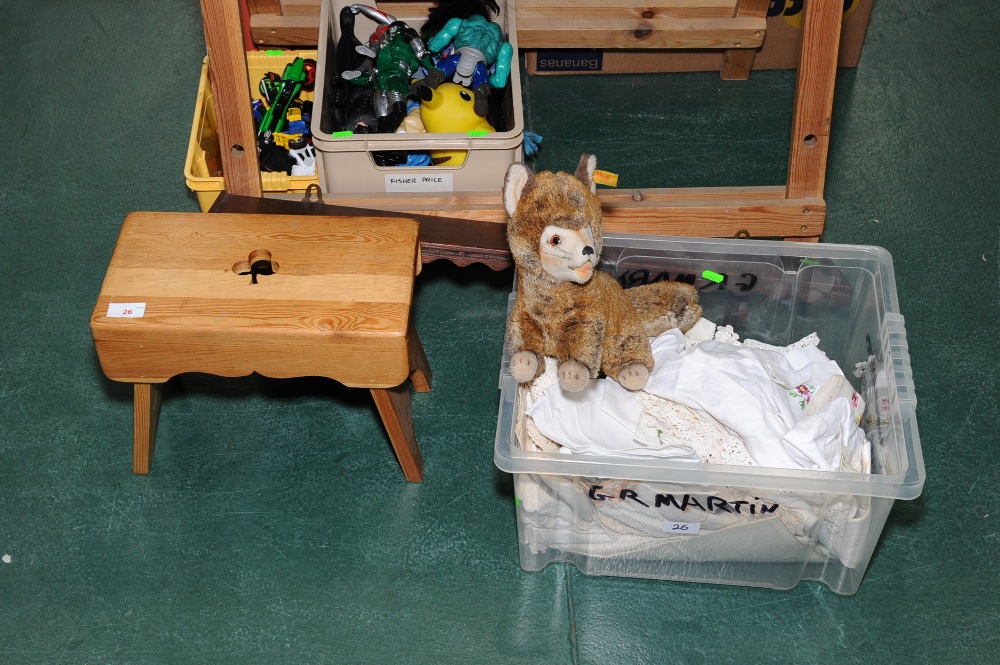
x=283, y=296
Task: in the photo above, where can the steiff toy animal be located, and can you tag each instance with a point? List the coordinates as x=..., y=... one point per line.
x=567, y=309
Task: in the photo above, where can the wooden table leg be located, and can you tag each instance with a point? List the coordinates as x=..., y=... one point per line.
x=420, y=369
x=146, y=405
x=394, y=408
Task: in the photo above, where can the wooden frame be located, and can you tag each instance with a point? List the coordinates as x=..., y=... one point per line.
x=796, y=211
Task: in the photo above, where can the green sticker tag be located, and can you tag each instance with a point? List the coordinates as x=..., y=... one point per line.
x=342, y=135
x=517, y=502
x=810, y=262
x=478, y=132
x=713, y=276
x=274, y=51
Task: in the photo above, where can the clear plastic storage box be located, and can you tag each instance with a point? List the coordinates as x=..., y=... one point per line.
x=674, y=520
x=346, y=162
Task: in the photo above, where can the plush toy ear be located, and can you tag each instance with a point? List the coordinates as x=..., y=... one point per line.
x=585, y=171
x=517, y=177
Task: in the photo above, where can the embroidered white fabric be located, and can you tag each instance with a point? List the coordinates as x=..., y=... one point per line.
x=760, y=392
x=728, y=402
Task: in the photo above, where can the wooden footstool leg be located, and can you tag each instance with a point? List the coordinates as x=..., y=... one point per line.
x=394, y=408
x=146, y=414
x=420, y=370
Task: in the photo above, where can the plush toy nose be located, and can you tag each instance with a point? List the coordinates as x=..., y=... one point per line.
x=588, y=250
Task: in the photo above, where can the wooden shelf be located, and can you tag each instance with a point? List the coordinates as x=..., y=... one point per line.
x=796, y=211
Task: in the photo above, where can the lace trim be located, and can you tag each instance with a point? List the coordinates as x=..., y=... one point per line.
x=676, y=423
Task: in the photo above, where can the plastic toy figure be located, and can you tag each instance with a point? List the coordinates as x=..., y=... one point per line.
x=397, y=52
x=478, y=45
x=442, y=11
x=300, y=74
x=280, y=95
x=304, y=156
x=450, y=108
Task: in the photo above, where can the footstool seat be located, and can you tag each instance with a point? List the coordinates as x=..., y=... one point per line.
x=288, y=296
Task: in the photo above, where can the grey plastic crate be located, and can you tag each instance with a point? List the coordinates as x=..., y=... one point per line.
x=346, y=165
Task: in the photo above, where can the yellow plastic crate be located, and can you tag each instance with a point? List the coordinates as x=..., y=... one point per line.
x=203, y=166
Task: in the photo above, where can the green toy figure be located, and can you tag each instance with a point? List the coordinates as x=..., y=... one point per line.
x=479, y=43
x=398, y=52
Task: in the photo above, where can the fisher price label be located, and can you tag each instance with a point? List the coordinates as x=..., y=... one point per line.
x=420, y=182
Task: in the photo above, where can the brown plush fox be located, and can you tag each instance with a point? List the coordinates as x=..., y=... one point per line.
x=564, y=307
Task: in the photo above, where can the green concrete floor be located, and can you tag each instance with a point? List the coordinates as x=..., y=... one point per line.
x=276, y=526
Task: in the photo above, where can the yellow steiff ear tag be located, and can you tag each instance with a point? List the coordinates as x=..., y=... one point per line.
x=605, y=178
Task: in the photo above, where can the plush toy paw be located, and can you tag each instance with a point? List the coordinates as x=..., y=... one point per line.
x=523, y=366
x=633, y=377
x=573, y=376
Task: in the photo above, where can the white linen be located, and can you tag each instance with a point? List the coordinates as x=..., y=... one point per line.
x=711, y=398
x=751, y=393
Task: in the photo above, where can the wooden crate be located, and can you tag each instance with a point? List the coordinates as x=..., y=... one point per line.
x=667, y=24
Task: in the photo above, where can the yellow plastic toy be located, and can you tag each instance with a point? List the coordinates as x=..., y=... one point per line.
x=451, y=109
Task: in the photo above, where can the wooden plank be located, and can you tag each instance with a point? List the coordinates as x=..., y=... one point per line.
x=407, y=8
x=194, y=255
x=298, y=24
x=228, y=76
x=737, y=63
x=698, y=211
x=380, y=313
x=580, y=24
x=776, y=218
x=399, y=8
x=572, y=32
x=301, y=8
x=171, y=282
x=547, y=15
x=529, y=10
x=702, y=211
x=722, y=8
x=461, y=241
x=266, y=6
x=298, y=31
x=357, y=361
x=473, y=228
x=814, y=99
x=490, y=200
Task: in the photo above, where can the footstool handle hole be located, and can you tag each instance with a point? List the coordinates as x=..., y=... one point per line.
x=259, y=262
